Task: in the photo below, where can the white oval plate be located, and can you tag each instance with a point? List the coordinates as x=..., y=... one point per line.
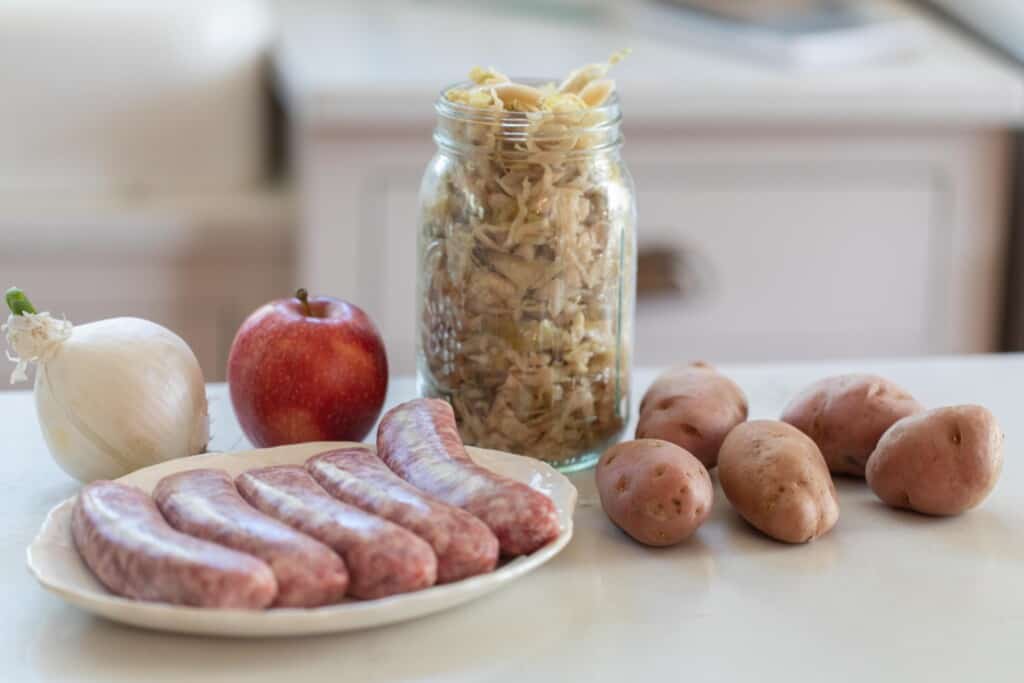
x=53, y=560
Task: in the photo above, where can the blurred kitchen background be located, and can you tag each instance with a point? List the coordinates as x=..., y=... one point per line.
x=816, y=178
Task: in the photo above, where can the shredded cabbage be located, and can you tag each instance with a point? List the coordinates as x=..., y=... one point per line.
x=526, y=270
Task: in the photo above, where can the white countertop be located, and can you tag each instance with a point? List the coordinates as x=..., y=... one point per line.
x=376, y=62
x=886, y=596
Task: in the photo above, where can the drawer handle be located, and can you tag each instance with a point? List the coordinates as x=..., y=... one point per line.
x=680, y=273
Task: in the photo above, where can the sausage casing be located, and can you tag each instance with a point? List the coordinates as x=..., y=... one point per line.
x=205, y=503
x=382, y=558
x=463, y=544
x=419, y=441
x=134, y=552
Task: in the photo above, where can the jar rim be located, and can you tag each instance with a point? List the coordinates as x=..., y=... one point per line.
x=600, y=125
x=610, y=111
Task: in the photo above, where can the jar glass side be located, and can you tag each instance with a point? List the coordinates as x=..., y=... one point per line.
x=526, y=288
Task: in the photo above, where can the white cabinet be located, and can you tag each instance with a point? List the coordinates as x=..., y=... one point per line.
x=805, y=213
x=103, y=97
x=838, y=243
x=787, y=267
x=196, y=264
x=783, y=214
x=357, y=241
x=833, y=244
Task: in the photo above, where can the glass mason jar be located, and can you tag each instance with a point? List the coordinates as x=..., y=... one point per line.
x=527, y=279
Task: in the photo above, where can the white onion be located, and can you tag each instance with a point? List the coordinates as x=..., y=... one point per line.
x=113, y=395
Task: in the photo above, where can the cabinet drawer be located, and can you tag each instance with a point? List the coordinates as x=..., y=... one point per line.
x=787, y=262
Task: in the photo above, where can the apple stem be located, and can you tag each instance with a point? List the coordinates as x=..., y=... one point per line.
x=18, y=302
x=303, y=296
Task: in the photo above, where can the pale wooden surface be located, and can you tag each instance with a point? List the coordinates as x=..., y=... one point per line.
x=887, y=596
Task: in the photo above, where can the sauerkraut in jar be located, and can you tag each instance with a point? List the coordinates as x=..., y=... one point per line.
x=527, y=265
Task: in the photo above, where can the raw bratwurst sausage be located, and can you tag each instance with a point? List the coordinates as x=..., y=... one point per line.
x=419, y=442
x=463, y=544
x=382, y=558
x=134, y=552
x=205, y=503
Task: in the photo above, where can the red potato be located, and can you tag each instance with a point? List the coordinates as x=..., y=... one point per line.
x=846, y=415
x=776, y=479
x=942, y=462
x=693, y=407
x=655, y=491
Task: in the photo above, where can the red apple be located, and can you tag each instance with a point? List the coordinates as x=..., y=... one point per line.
x=306, y=369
